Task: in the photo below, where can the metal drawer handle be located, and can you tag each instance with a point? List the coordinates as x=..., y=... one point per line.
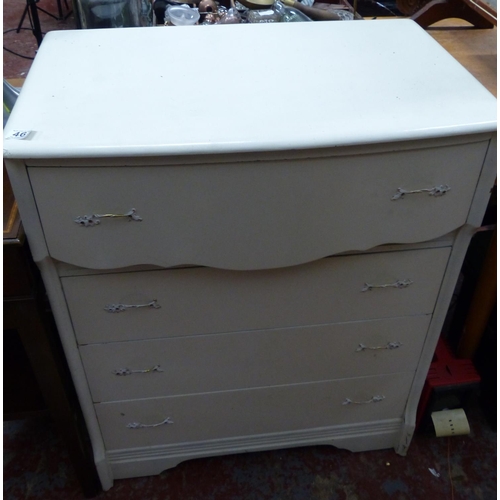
x=398, y=284
x=128, y=371
x=115, y=308
x=93, y=220
x=434, y=191
x=389, y=345
x=137, y=425
x=374, y=399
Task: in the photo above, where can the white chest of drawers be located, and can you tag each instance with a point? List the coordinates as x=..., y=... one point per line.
x=287, y=269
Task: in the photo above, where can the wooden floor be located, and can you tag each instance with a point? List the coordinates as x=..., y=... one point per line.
x=475, y=49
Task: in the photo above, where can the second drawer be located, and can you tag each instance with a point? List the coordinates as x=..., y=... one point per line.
x=242, y=360
x=202, y=300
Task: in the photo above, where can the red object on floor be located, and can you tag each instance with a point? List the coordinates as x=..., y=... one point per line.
x=445, y=372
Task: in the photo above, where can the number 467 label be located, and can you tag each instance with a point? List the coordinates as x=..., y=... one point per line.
x=19, y=134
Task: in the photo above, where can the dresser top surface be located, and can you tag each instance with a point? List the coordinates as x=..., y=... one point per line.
x=242, y=88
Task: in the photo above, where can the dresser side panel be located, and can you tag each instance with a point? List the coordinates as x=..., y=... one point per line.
x=65, y=329
x=27, y=206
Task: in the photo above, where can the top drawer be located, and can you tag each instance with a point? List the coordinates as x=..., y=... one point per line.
x=254, y=215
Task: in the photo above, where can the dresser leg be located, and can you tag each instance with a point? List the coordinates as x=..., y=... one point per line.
x=405, y=439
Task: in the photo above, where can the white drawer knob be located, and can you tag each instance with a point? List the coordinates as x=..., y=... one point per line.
x=128, y=371
x=94, y=219
x=389, y=345
x=115, y=308
x=434, y=191
x=138, y=425
x=398, y=284
x=374, y=399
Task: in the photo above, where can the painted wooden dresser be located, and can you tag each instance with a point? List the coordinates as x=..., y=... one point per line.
x=249, y=234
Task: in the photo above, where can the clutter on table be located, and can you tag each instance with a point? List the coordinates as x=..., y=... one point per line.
x=207, y=12
x=137, y=13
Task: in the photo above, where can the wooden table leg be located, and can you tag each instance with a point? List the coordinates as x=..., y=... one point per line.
x=26, y=316
x=474, y=12
x=483, y=301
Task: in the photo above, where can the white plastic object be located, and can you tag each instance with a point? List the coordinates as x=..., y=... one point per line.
x=182, y=15
x=450, y=422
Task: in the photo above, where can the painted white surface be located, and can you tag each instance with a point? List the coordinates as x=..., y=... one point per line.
x=254, y=215
x=145, y=461
x=219, y=415
x=143, y=91
x=254, y=358
x=144, y=107
x=200, y=301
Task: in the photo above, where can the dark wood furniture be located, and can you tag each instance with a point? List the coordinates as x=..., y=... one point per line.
x=476, y=12
x=36, y=378
x=427, y=12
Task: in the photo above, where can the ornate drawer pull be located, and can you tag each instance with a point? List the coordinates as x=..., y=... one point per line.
x=137, y=425
x=128, y=371
x=374, y=399
x=389, y=345
x=434, y=191
x=398, y=284
x=93, y=220
x=115, y=308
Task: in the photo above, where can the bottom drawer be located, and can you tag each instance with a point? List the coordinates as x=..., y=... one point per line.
x=249, y=412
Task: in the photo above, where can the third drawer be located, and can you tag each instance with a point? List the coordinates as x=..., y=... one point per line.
x=206, y=363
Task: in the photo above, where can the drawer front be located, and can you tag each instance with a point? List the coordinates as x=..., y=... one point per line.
x=254, y=215
x=207, y=363
x=227, y=414
x=194, y=301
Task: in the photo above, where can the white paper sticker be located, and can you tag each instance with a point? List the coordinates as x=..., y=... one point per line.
x=19, y=134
